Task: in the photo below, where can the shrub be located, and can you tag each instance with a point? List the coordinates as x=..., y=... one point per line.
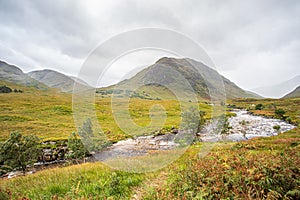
x=76, y=148
x=19, y=151
x=5, y=89
x=277, y=128
x=259, y=106
x=279, y=113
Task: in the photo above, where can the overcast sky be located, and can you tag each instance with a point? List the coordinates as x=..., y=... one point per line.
x=253, y=43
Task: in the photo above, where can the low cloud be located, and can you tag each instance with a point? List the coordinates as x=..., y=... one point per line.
x=252, y=42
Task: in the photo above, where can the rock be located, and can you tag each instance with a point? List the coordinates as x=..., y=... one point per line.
x=255, y=126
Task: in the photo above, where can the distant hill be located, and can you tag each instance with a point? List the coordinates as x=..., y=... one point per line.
x=55, y=79
x=294, y=93
x=11, y=73
x=278, y=90
x=174, y=73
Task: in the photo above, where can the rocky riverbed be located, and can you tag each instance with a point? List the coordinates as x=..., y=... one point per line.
x=138, y=146
x=245, y=126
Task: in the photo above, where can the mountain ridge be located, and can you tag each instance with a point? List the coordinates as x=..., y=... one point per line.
x=167, y=72
x=293, y=94
x=55, y=79
x=279, y=90
x=14, y=74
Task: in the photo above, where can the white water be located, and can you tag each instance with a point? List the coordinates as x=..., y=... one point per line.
x=253, y=126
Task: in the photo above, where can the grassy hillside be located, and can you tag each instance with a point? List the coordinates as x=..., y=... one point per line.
x=54, y=79
x=13, y=74
x=295, y=93
x=48, y=114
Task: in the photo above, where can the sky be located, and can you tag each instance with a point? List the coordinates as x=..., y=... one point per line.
x=253, y=43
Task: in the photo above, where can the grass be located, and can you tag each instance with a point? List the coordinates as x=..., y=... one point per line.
x=86, y=180
x=48, y=114
x=261, y=168
x=256, y=169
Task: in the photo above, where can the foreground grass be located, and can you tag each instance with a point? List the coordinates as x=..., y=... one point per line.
x=265, y=168
x=89, y=180
x=262, y=168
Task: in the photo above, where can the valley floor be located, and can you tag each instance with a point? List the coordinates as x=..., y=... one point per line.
x=259, y=168
x=254, y=169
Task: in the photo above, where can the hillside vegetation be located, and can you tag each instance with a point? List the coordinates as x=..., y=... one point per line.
x=295, y=93
x=48, y=114
x=13, y=74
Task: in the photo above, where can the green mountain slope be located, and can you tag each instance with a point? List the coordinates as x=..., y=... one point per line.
x=13, y=74
x=182, y=76
x=295, y=93
x=54, y=79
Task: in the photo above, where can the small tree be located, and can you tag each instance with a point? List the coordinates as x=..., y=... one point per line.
x=87, y=129
x=226, y=126
x=76, y=148
x=87, y=135
x=19, y=151
x=223, y=126
x=193, y=119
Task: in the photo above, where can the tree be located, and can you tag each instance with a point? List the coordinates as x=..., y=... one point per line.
x=20, y=151
x=87, y=135
x=223, y=126
x=87, y=129
x=193, y=119
x=76, y=148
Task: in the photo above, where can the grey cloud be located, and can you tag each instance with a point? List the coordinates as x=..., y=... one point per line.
x=242, y=37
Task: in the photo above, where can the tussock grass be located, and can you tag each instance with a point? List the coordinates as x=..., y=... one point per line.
x=85, y=180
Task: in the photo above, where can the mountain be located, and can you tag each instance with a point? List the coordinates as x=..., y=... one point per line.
x=11, y=73
x=55, y=79
x=294, y=93
x=182, y=76
x=278, y=90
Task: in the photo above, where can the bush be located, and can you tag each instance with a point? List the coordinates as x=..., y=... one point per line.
x=259, y=106
x=19, y=151
x=5, y=89
x=279, y=113
x=76, y=148
x=277, y=128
